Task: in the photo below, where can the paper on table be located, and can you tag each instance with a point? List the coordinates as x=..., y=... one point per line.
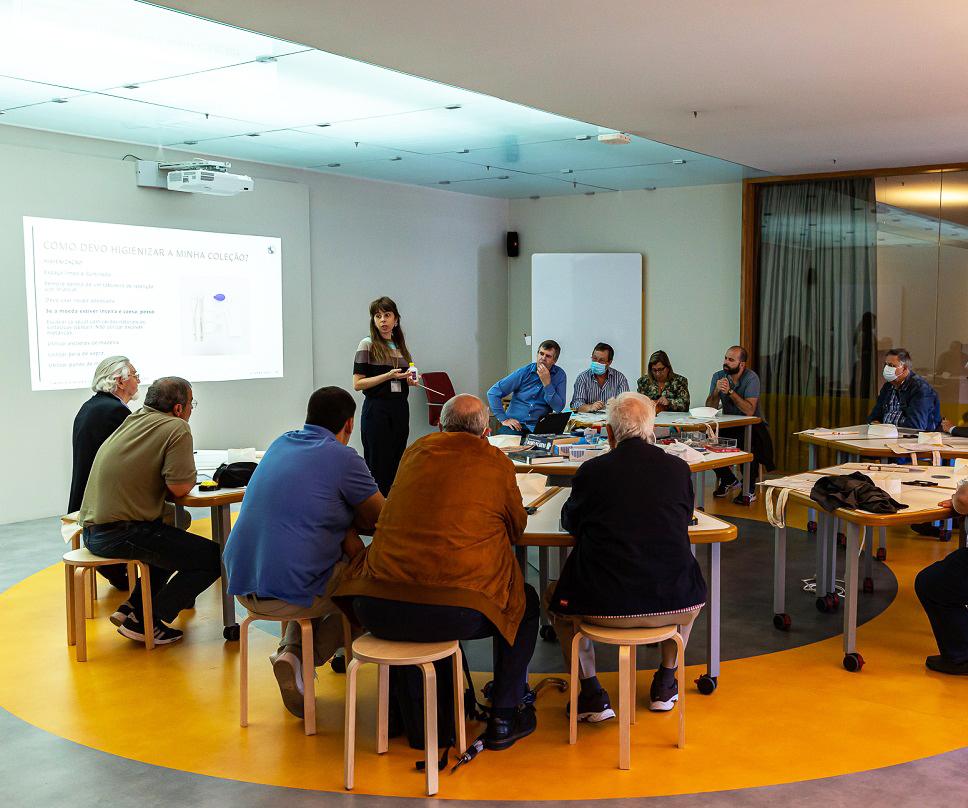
x=797, y=482
x=531, y=486
x=504, y=441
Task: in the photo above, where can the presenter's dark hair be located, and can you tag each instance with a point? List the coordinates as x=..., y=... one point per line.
x=604, y=346
x=381, y=350
x=551, y=345
x=168, y=391
x=655, y=359
x=330, y=408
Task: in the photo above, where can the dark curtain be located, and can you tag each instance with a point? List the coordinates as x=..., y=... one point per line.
x=817, y=308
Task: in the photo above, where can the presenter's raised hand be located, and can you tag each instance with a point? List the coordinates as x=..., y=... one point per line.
x=544, y=374
x=512, y=423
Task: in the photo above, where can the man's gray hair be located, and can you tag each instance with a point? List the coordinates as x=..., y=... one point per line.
x=631, y=415
x=112, y=370
x=168, y=391
x=464, y=413
x=903, y=356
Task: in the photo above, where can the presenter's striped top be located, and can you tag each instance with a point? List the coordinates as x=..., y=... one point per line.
x=587, y=390
x=364, y=364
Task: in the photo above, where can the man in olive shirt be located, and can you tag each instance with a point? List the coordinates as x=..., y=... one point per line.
x=147, y=457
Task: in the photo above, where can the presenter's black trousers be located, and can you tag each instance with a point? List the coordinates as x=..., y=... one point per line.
x=182, y=565
x=384, y=430
x=942, y=589
x=419, y=622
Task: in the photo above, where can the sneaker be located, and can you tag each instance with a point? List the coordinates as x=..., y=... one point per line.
x=724, y=487
x=662, y=698
x=593, y=707
x=163, y=635
x=121, y=614
x=505, y=732
x=287, y=668
x=941, y=665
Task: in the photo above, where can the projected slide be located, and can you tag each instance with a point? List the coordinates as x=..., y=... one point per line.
x=205, y=306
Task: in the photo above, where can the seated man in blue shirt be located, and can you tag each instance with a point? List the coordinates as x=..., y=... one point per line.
x=302, y=509
x=535, y=389
x=906, y=399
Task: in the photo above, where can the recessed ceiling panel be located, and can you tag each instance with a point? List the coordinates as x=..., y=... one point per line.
x=699, y=171
x=415, y=169
x=294, y=148
x=522, y=186
x=17, y=93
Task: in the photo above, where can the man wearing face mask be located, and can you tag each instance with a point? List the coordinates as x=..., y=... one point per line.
x=535, y=389
x=906, y=400
x=600, y=383
x=736, y=389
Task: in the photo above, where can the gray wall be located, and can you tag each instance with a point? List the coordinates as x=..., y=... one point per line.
x=690, y=242
x=439, y=254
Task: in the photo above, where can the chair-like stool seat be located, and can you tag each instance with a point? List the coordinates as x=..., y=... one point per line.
x=385, y=654
x=626, y=639
x=82, y=557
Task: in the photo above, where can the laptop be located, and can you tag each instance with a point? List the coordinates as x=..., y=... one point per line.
x=553, y=423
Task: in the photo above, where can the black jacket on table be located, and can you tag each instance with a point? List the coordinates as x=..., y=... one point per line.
x=629, y=512
x=94, y=423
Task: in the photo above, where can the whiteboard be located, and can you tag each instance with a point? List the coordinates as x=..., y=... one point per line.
x=579, y=299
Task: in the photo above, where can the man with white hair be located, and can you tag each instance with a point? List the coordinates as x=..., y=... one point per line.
x=115, y=383
x=632, y=566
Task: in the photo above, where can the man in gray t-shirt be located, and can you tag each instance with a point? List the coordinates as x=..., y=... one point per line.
x=736, y=389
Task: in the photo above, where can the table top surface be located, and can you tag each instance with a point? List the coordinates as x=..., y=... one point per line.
x=711, y=460
x=544, y=526
x=678, y=419
x=853, y=440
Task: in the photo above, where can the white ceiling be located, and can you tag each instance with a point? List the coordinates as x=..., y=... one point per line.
x=782, y=85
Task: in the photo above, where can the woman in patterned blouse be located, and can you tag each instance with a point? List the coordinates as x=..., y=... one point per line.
x=380, y=372
x=667, y=389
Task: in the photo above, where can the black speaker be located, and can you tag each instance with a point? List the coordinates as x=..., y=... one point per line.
x=514, y=246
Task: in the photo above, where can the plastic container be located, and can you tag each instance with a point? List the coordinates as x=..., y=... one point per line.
x=413, y=373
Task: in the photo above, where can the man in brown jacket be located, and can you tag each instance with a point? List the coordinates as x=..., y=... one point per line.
x=441, y=565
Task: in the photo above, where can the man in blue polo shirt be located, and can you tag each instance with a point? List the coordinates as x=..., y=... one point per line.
x=535, y=389
x=302, y=509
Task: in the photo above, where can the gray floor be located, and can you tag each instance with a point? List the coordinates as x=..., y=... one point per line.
x=40, y=769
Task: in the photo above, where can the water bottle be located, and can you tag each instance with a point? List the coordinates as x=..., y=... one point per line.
x=413, y=373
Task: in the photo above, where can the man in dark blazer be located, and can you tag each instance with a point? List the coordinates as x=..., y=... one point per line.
x=115, y=384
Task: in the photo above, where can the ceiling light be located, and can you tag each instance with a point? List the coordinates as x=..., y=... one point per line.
x=59, y=100
x=583, y=137
x=132, y=86
x=394, y=159
x=678, y=162
x=505, y=177
x=322, y=125
x=589, y=193
x=453, y=106
x=253, y=134
x=649, y=187
x=190, y=142
x=567, y=171
x=464, y=151
x=534, y=197
x=333, y=165
x=444, y=182
x=266, y=59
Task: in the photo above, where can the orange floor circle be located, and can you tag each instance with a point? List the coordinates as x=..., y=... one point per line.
x=777, y=718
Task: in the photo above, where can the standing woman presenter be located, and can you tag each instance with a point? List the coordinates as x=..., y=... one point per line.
x=380, y=372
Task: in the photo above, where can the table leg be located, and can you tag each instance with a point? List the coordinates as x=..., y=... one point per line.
x=962, y=534
x=811, y=465
x=882, y=545
x=221, y=526
x=832, y=556
x=543, y=564
x=823, y=525
x=868, y=535
x=699, y=489
x=748, y=446
x=779, y=578
x=712, y=617
x=852, y=660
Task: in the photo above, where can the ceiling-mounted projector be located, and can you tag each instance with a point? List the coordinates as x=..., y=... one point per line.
x=196, y=176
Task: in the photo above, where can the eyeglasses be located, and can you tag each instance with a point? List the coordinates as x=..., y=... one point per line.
x=658, y=368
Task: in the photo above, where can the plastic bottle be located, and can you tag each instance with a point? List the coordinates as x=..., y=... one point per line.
x=413, y=373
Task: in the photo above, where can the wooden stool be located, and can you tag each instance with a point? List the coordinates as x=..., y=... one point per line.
x=308, y=668
x=81, y=561
x=384, y=654
x=626, y=639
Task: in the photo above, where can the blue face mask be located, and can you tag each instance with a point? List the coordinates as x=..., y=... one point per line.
x=598, y=368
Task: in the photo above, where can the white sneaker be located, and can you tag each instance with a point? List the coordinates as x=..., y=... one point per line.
x=287, y=668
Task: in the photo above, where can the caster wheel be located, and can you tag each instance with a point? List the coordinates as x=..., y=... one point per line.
x=548, y=633
x=828, y=604
x=853, y=662
x=707, y=684
x=811, y=527
x=868, y=585
x=782, y=622
x=822, y=605
x=834, y=601
x=232, y=633
x=841, y=540
x=881, y=554
x=338, y=663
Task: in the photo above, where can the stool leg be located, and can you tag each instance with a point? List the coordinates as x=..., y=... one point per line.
x=681, y=676
x=147, y=608
x=382, y=709
x=89, y=594
x=430, y=725
x=244, y=672
x=69, y=596
x=309, y=676
x=573, y=691
x=349, y=725
x=283, y=628
x=633, y=684
x=624, y=730
x=347, y=639
x=459, y=728
x=132, y=576
x=80, y=630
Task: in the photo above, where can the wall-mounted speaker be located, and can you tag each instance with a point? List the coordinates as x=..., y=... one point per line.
x=514, y=246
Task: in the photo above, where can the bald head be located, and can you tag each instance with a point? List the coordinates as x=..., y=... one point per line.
x=464, y=413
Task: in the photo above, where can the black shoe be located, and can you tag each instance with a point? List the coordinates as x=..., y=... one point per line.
x=941, y=665
x=593, y=707
x=133, y=630
x=662, y=698
x=504, y=732
x=927, y=529
x=724, y=487
x=121, y=614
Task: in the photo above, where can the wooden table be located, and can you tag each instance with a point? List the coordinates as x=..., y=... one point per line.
x=220, y=502
x=923, y=507
x=544, y=531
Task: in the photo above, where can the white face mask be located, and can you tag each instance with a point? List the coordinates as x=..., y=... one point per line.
x=889, y=373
